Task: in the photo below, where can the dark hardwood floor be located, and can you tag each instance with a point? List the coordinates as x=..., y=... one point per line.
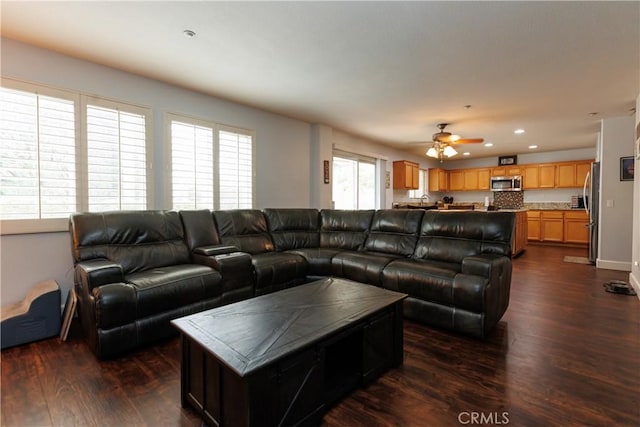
x=566, y=353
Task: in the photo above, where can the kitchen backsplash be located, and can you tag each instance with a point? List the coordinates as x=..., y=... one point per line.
x=508, y=199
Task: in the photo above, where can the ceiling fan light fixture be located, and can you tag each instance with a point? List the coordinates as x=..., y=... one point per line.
x=449, y=151
x=432, y=152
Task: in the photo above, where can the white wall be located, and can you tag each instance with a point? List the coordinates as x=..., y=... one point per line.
x=289, y=152
x=616, y=197
x=634, y=276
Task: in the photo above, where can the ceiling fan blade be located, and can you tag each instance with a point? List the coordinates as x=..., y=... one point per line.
x=468, y=141
x=447, y=138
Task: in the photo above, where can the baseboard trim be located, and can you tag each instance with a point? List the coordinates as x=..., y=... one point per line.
x=635, y=283
x=613, y=265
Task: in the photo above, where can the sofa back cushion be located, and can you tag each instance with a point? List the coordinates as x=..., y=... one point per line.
x=394, y=231
x=199, y=228
x=137, y=240
x=452, y=236
x=344, y=229
x=293, y=228
x=244, y=228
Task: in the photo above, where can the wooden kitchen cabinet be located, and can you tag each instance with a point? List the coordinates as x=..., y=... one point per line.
x=582, y=169
x=438, y=180
x=538, y=176
x=547, y=176
x=531, y=177
x=484, y=179
x=456, y=180
x=520, y=236
x=551, y=226
x=572, y=174
x=561, y=226
x=507, y=171
x=470, y=179
x=533, y=225
x=406, y=175
x=576, y=227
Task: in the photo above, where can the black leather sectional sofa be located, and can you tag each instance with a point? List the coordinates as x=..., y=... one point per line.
x=135, y=271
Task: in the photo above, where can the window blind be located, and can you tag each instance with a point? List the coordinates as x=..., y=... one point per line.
x=38, y=156
x=116, y=160
x=191, y=166
x=235, y=170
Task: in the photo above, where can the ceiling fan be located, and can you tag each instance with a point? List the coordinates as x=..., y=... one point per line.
x=442, y=142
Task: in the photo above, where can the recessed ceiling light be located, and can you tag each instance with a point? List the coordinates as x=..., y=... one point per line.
x=594, y=113
x=189, y=34
x=533, y=147
x=518, y=131
x=488, y=144
x=466, y=153
x=466, y=107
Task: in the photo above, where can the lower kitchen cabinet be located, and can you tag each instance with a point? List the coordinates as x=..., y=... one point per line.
x=558, y=226
x=521, y=233
x=576, y=227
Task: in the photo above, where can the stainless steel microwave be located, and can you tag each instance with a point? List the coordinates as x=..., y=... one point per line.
x=506, y=183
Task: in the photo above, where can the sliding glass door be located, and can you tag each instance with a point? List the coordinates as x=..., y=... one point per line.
x=354, y=182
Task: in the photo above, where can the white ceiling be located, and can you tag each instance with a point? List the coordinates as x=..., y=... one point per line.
x=388, y=71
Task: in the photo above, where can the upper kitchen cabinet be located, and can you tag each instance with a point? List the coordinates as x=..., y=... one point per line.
x=456, y=180
x=572, y=174
x=506, y=171
x=473, y=179
x=484, y=179
x=438, y=180
x=406, y=175
x=538, y=176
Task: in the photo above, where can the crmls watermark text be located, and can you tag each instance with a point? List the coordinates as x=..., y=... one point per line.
x=483, y=418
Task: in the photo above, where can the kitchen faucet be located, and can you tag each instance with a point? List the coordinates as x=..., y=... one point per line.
x=425, y=195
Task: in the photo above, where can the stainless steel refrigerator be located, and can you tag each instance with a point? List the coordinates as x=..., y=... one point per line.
x=591, y=195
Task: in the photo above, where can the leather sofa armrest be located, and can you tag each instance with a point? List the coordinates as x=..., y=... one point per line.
x=214, y=250
x=115, y=305
x=94, y=273
x=483, y=265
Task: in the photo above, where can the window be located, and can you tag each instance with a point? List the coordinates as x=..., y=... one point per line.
x=354, y=182
x=191, y=166
x=211, y=165
x=63, y=152
x=236, y=170
x=38, y=155
x=116, y=158
x=422, y=187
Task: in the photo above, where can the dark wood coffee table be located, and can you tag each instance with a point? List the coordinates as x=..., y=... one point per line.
x=283, y=358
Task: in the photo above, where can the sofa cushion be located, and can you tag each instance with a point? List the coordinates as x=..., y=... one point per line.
x=452, y=236
x=165, y=288
x=426, y=280
x=318, y=259
x=278, y=270
x=137, y=240
x=361, y=266
x=293, y=228
x=245, y=229
x=344, y=229
x=199, y=228
x=394, y=231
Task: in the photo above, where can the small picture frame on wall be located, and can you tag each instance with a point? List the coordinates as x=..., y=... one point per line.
x=627, y=168
x=507, y=160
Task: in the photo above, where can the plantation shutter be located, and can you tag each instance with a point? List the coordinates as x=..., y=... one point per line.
x=116, y=160
x=37, y=156
x=235, y=170
x=191, y=166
